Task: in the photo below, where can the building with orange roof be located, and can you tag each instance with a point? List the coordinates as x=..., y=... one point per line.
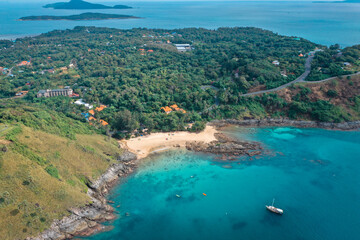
x=301, y=55
x=175, y=107
x=150, y=50
x=92, y=112
x=92, y=118
x=24, y=63
x=166, y=109
x=99, y=109
x=104, y=123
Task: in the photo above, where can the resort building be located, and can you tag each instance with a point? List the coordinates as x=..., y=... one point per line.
x=21, y=93
x=55, y=92
x=172, y=108
x=81, y=102
x=276, y=63
x=24, y=63
x=183, y=47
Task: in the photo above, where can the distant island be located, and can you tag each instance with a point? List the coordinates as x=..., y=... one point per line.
x=80, y=4
x=80, y=17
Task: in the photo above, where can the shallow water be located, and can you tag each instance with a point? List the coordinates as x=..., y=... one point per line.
x=313, y=174
x=323, y=23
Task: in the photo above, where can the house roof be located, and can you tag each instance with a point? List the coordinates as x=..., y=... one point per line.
x=99, y=109
x=166, y=109
x=104, y=123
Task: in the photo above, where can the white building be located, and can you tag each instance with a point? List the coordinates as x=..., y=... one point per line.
x=183, y=47
x=276, y=63
x=81, y=102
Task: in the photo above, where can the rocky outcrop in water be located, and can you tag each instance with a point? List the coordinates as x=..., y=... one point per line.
x=287, y=122
x=226, y=146
x=85, y=221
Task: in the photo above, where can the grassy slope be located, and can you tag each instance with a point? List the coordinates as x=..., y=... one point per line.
x=346, y=100
x=43, y=174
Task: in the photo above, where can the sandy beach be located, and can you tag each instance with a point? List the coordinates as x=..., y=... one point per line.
x=157, y=142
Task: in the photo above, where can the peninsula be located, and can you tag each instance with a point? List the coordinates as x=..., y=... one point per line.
x=80, y=4
x=79, y=17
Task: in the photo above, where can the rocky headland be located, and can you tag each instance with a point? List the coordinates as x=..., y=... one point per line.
x=270, y=122
x=226, y=146
x=85, y=221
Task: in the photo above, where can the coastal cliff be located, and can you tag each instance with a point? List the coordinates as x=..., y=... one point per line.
x=85, y=221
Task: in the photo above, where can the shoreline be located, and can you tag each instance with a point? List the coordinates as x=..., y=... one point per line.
x=86, y=221
x=158, y=142
x=284, y=122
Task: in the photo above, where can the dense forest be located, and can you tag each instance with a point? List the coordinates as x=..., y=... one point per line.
x=335, y=62
x=138, y=72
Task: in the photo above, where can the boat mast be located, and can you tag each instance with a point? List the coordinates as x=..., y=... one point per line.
x=273, y=202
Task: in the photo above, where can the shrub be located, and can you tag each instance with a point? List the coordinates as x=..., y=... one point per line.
x=52, y=171
x=11, y=135
x=14, y=212
x=197, y=126
x=332, y=93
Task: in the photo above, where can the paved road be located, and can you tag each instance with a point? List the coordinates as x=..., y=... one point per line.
x=299, y=79
x=333, y=78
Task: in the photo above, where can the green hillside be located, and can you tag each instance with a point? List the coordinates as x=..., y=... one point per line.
x=46, y=159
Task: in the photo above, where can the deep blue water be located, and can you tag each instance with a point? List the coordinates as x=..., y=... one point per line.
x=313, y=174
x=324, y=23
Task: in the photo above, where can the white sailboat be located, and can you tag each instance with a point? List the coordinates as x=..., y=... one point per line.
x=274, y=209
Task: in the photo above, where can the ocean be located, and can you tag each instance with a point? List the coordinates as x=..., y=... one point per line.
x=323, y=23
x=313, y=174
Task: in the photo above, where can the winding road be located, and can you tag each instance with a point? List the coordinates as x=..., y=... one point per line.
x=299, y=79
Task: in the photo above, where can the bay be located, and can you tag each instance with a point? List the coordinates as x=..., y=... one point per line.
x=313, y=174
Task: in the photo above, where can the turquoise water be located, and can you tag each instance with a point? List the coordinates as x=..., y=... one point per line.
x=313, y=174
x=324, y=23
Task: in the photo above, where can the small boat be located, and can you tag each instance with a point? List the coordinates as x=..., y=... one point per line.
x=274, y=209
